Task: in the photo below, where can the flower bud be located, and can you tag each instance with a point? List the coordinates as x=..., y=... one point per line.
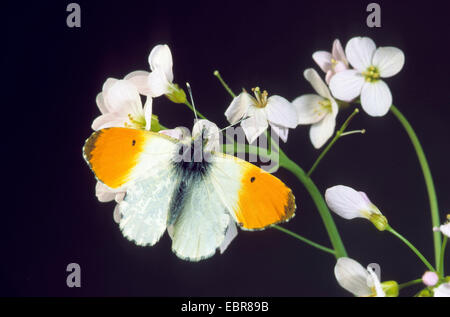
x=176, y=94
x=425, y=293
x=390, y=288
x=430, y=278
x=379, y=221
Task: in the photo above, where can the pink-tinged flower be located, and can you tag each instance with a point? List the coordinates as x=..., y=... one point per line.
x=371, y=64
x=331, y=63
x=430, y=278
x=105, y=194
x=160, y=80
x=318, y=110
x=442, y=290
x=121, y=106
x=260, y=111
x=359, y=281
x=349, y=203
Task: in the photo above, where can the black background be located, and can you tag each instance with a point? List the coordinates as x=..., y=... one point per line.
x=52, y=73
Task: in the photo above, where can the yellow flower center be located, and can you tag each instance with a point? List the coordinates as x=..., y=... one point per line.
x=260, y=97
x=372, y=74
x=326, y=105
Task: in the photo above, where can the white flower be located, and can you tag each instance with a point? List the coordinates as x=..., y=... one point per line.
x=331, y=63
x=356, y=279
x=442, y=290
x=319, y=110
x=121, y=106
x=260, y=112
x=370, y=65
x=445, y=228
x=349, y=203
x=159, y=81
x=105, y=194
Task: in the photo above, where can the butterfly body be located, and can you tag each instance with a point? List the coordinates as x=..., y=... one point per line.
x=194, y=193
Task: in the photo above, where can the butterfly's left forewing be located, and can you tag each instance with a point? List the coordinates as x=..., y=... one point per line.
x=119, y=156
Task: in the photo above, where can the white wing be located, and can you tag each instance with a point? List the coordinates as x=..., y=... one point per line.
x=146, y=205
x=200, y=227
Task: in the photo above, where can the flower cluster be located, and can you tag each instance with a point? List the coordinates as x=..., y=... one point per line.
x=354, y=75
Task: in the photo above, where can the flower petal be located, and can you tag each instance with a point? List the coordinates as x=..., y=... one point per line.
x=238, y=107
x=320, y=132
x=338, y=52
x=317, y=83
x=179, y=133
x=281, y=112
x=280, y=131
x=230, y=234
x=376, y=283
x=445, y=229
x=148, y=113
x=116, y=214
x=323, y=59
x=104, y=193
x=109, y=120
x=161, y=58
x=376, y=98
x=309, y=109
x=108, y=84
x=100, y=101
x=139, y=79
x=209, y=131
x=359, y=52
x=123, y=98
x=347, y=202
x=255, y=124
x=389, y=60
x=442, y=290
x=346, y=85
x=158, y=84
x=352, y=276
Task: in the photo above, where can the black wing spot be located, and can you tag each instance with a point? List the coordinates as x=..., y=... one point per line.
x=252, y=179
x=133, y=143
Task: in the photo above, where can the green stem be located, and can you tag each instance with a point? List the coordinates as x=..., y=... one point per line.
x=303, y=239
x=317, y=197
x=224, y=84
x=441, y=268
x=412, y=247
x=339, y=133
x=410, y=283
x=428, y=181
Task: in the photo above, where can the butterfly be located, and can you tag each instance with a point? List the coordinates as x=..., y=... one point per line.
x=194, y=194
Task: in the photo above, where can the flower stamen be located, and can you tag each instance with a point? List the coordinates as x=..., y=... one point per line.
x=372, y=74
x=261, y=97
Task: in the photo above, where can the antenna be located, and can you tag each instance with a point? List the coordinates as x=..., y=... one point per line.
x=233, y=124
x=192, y=100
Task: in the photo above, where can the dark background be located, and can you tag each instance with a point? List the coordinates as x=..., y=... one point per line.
x=52, y=74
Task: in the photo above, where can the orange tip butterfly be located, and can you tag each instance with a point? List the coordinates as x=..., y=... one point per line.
x=194, y=197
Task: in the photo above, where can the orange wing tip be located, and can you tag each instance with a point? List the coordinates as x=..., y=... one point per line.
x=289, y=208
x=264, y=200
x=112, y=153
x=89, y=146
